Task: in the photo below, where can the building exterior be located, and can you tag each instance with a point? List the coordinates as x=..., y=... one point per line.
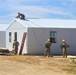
x=38, y=31
x=3, y=28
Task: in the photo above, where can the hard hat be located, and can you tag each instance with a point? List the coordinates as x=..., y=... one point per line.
x=48, y=40
x=63, y=41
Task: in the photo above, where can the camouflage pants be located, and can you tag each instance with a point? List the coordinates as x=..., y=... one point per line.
x=47, y=52
x=15, y=50
x=64, y=52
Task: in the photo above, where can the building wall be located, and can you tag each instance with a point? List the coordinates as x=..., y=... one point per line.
x=15, y=27
x=38, y=36
x=2, y=39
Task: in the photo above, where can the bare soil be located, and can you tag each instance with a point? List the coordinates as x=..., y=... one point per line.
x=33, y=65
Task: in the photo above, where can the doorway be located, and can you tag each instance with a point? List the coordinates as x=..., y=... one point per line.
x=15, y=36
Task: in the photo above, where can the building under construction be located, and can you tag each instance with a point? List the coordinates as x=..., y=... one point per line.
x=33, y=33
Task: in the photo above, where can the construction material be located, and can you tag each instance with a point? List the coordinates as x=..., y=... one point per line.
x=22, y=44
x=4, y=51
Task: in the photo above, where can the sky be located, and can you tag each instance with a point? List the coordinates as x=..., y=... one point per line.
x=52, y=9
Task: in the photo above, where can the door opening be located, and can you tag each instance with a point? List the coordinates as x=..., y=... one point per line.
x=15, y=36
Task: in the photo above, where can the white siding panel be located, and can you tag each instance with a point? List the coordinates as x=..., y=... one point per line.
x=2, y=39
x=15, y=25
x=73, y=42
x=36, y=40
x=20, y=29
x=38, y=36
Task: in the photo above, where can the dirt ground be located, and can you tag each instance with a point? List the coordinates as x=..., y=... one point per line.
x=33, y=65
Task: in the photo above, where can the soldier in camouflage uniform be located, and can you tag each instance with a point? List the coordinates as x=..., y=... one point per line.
x=47, y=48
x=15, y=46
x=63, y=47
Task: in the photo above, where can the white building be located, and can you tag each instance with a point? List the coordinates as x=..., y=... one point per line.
x=38, y=31
x=3, y=28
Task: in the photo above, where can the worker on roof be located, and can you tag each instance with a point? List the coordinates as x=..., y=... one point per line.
x=47, y=47
x=21, y=16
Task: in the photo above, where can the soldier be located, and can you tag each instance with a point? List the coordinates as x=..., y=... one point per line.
x=21, y=16
x=15, y=46
x=63, y=47
x=47, y=48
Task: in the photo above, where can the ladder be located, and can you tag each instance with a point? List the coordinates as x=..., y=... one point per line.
x=22, y=43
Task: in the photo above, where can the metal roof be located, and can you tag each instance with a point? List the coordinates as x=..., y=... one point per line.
x=51, y=23
x=3, y=27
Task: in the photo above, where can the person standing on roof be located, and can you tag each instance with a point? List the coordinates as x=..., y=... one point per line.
x=21, y=16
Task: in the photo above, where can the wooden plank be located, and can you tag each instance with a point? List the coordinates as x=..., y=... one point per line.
x=22, y=44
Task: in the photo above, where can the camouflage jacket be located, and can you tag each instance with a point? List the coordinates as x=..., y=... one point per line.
x=47, y=45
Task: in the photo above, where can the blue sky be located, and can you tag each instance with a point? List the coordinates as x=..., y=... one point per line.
x=53, y=9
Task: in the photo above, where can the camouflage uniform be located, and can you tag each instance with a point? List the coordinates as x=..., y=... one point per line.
x=15, y=46
x=47, y=48
x=63, y=47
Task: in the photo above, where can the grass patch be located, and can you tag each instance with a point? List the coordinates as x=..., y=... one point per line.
x=71, y=69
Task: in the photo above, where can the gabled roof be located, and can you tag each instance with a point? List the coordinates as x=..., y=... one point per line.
x=3, y=27
x=51, y=23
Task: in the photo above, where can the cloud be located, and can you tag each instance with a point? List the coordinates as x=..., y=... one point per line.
x=37, y=10
x=14, y=6
x=73, y=0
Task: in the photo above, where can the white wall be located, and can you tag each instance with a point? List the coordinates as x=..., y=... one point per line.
x=38, y=36
x=2, y=39
x=15, y=27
